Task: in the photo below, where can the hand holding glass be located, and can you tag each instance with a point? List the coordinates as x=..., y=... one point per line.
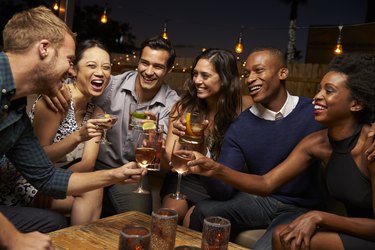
x=112, y=120
x=194, y=127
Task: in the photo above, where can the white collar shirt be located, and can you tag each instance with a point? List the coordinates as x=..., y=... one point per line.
x=264, y=113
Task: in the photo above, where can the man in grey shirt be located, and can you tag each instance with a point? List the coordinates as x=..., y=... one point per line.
x=146, y=87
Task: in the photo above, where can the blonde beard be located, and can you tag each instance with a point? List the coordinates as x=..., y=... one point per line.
x=46, y=78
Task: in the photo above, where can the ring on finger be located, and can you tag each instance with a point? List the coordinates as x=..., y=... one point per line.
x=96, y=127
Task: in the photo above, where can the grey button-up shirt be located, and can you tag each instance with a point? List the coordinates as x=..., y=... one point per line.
x=116, y=99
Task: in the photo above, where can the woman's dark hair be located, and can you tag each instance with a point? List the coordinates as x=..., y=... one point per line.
x=159, y=43
x=88, y=44
x=360, y=70
x=229, y=102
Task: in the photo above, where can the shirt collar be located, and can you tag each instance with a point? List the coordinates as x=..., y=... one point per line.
x=160, y=96
x=264, y=113
x=7, y=85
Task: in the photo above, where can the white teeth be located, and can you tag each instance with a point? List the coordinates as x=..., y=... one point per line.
x=98, y=81
x=254, y=88
x=318, y=107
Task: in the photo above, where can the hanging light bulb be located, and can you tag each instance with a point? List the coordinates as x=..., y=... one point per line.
x=165, y=34
x=239, y=46
x=56, y=6
x=104, y=18
x=338, y=50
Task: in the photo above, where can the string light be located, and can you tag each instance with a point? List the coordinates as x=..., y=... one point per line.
x=239, y=46
x=165, y=33
x=338, y=50
x=104, y=18
x=56, y=6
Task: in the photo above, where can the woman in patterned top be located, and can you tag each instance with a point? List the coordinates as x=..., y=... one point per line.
x=69, y=139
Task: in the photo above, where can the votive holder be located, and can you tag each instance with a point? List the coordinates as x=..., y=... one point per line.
x=163, y=229
x=134, y=238
x=215, y=234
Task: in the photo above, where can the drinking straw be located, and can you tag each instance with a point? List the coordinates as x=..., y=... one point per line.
x=157, y=122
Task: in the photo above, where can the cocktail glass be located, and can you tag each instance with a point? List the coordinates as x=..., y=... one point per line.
x=181, y=155
x=194, y=127
x=113, y=120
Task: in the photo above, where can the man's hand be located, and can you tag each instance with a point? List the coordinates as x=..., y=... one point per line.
x=151, y=115
x=32, y=241
x=129, y=173
x=59, y=103
x=203, y=165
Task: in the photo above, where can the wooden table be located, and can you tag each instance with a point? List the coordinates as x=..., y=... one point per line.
x=104, y=233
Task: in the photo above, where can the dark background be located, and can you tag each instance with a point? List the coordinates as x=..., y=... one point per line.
x=193, y=25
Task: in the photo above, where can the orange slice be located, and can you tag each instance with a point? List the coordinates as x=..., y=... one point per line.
x=188, y=130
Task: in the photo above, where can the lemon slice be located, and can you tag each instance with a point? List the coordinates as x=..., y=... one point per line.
x=148, y=125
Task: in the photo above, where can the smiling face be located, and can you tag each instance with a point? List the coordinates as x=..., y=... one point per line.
x=54, y=69
x=263, y=76
x=152, y=68
x=93, y=71
x=334, y=103
x=206, y=79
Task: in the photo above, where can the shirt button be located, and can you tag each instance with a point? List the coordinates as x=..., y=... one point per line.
x=3, y=91
x=6, y=106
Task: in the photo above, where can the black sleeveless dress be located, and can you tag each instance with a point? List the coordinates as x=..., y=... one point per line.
x=346, y=183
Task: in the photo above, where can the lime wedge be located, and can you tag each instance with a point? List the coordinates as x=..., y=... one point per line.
x=139, y=115
x=148, y=125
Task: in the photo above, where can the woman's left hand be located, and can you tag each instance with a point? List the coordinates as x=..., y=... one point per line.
x=298, y=234
x=93, y=128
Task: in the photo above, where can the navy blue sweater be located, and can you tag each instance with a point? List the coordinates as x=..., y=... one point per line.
x=261, y=145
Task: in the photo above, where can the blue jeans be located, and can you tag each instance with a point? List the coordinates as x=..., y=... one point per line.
x=246, y=211
x=120, y=198
x=28, y=219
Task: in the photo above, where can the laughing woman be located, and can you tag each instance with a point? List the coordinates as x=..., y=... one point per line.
x=69, y=139
x=345, y=104
x=214, y=88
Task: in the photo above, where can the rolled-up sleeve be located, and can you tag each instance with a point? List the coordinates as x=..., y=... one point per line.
x=32, y=162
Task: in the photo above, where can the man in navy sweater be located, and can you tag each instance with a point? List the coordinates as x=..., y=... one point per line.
x=261, y=138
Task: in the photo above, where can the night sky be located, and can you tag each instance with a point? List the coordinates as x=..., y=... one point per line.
x=204, y=23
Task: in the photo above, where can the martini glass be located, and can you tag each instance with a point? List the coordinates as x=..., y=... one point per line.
x=112, y=121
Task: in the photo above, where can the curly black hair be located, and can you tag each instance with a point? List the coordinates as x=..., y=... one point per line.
x=360, y=70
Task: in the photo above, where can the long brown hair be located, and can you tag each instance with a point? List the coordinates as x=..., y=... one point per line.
x=229, y=100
